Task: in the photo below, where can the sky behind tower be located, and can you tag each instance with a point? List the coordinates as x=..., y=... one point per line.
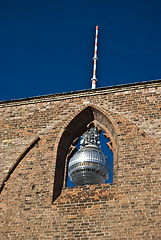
x=47, y=46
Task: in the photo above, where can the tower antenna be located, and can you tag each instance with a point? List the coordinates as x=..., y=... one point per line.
x=94, y=79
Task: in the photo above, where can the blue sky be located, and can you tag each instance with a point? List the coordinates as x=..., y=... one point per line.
x=47, y=46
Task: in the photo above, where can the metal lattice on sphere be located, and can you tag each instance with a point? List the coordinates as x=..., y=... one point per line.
x=89, y=165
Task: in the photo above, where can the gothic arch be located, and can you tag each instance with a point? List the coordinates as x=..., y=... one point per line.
x=70, y=136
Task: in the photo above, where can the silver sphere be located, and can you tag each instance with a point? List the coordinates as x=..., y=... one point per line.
x=89, y=165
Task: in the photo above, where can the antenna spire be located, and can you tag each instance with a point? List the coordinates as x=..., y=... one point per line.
x=94, y=79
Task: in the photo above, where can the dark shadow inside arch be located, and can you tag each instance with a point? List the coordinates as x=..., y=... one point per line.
x=73, y=131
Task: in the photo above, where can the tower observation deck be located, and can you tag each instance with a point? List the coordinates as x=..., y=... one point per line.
x=89, y=165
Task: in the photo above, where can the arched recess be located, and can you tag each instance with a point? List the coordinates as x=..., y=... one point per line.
x=70, y=137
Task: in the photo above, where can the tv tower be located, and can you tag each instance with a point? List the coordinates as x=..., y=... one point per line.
x=94, y=79
x=89, y=165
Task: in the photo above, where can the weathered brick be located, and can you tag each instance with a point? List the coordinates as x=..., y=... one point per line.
x=35, y=135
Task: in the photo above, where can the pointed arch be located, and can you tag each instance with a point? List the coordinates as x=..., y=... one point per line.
x=71, y=134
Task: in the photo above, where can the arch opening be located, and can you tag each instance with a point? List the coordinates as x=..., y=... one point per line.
x=67, y=146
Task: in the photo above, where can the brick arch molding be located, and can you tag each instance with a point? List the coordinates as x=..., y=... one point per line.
x=18, y=160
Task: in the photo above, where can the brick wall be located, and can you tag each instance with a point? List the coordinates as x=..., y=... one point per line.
x=35, y=135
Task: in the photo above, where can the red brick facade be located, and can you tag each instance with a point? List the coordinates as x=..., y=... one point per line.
x=37, y=137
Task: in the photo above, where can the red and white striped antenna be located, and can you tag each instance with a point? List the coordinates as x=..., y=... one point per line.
x=94, y=79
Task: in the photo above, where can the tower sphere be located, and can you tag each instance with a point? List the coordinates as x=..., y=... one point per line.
x=89, y=165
